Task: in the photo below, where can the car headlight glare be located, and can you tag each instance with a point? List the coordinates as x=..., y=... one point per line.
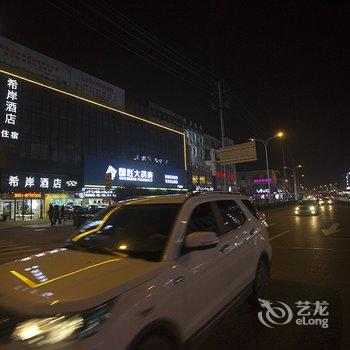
x=48, y=330
x=312, y=208
x=52, y=330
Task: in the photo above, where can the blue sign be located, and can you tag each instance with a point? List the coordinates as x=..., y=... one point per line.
x=132, y=172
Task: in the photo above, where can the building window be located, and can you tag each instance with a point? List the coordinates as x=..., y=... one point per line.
x=195, y=179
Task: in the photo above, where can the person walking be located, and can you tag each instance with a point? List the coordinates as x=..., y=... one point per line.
x=62, y=213
x=50, y=212
x=56, y=215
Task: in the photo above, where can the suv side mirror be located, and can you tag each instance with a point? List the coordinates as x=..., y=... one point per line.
x=201, y=240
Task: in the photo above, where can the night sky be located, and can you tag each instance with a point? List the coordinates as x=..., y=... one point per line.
x=286, y=65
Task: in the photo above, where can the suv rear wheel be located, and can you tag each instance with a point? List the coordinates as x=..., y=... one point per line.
x=159, y=342
x=261, y=283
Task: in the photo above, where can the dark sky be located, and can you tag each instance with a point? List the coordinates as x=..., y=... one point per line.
x=286, y=63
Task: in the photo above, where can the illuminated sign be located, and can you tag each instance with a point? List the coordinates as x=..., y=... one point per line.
x=347, y=179
x=12, y=181
x=124, y=172
x=262, y=181
x=9, y=130
x=144, y=158
x=95, y=193
x=128, y=174
x=204, y=188
x=27, y=195
x=171, y=179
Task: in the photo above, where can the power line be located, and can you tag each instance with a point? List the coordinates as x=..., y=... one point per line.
x=124, y=44
x=156, y=41
x=148, y=45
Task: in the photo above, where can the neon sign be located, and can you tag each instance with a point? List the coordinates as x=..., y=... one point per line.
x=8, y=131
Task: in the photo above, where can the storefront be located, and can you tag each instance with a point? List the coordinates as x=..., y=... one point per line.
x=27, y=196
x=95, y=196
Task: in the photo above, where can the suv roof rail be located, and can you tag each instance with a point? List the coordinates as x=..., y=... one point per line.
x=198, y=193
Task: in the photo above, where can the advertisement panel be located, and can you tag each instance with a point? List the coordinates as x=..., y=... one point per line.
x=23, y=59
x=241, y=153
x=140, y=174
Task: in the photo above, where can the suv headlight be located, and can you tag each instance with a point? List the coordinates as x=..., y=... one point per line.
x=52, y=330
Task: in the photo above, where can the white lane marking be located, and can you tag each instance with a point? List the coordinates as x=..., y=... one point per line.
x=40, y=229
x=279, y=235
x=330, y=230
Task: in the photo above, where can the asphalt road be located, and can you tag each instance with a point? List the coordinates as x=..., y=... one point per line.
x=309, y=265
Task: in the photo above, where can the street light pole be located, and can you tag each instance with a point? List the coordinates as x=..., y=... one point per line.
x=267, y=169
x=265, y=143
x=295, y=184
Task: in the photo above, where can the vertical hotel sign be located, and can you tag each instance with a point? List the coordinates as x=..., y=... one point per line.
x=10, y=108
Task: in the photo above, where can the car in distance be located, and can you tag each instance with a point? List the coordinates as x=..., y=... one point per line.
x=327, y=200
x=147, y=273
x=307, y=207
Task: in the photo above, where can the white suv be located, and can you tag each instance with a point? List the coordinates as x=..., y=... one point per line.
x=147, y=273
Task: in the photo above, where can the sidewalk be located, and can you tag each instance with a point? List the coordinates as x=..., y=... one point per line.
x=39, y=223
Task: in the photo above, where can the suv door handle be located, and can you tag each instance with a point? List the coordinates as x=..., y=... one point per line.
x=225, y=249
x=177, y=280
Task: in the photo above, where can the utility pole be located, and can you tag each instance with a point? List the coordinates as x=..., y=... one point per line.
x=295, y=184
x=284, y=173
x=222, y=129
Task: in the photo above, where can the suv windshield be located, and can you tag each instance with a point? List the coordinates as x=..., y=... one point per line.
x=139, y=230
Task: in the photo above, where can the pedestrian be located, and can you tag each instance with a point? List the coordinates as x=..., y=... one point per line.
x=50, y=212
x=62, y=213
x=56, y=215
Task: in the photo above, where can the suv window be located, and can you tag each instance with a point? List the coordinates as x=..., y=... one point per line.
x=202, y=219
x=250, y=207
x=232, y=215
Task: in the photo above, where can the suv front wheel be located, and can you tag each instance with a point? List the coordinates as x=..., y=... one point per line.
x=154, y=342
x=261, y=283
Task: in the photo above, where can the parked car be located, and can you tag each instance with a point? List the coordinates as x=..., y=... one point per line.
x=147, y=273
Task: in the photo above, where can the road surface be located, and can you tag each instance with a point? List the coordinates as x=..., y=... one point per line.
x=311, y=263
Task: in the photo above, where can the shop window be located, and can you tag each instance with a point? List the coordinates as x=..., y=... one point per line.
x=195, y=179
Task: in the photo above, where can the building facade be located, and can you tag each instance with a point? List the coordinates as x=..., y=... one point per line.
x=199, y=145
x=68, y=143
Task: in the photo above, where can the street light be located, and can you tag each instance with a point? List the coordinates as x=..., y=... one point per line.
x=278, y=135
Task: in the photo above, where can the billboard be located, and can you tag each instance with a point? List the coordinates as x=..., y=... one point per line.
x=140, y=174
x=34, y=64
x=241, y=153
